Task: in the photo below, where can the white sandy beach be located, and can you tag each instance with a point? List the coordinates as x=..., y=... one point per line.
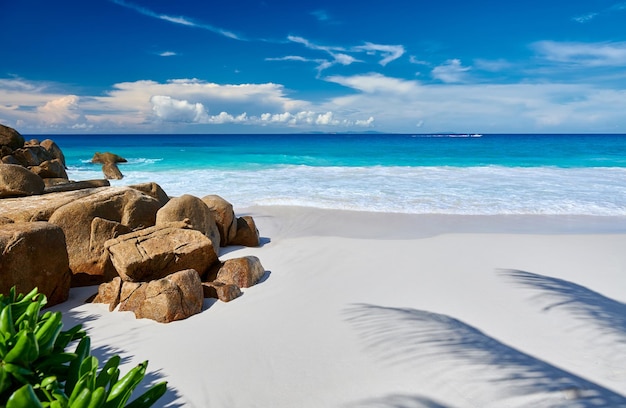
x=404, y=311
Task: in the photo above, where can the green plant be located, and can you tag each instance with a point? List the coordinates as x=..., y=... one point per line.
x=37, y=371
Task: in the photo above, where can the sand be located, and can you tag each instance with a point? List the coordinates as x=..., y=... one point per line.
x=392, y=310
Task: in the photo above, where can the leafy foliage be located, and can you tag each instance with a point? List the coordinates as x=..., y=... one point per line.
x=37, y=371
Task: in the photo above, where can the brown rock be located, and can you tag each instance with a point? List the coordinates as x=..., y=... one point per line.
x=224, y=217
x=197, y=214
x=17, y=181
x=10, y=137
x=109, y=293
x=222, y=291
x=57, y=185
x=247, y=233
x=174, y=297
x=121, y=204
x=111, y=171
x=153, y=190
x=243, y=272
x=10, y=159
x=32, y=155
x=41, y=207
x=50, y=169
x=107, y=157
x=34, y=255
x=54, y=150
x=158, y=251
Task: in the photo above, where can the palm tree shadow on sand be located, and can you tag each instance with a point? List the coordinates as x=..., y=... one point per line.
x=398, y=401
x=442, y=347
x=606, y=314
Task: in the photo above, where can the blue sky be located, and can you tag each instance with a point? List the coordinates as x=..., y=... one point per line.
x=161, y=66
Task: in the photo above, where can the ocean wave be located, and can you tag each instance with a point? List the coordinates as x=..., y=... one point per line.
x=486, y=190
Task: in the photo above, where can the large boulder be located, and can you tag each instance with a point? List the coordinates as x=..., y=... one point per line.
x=197, y=214
x=174, y=297
x=111, y=171
x=243, y=272
x=247, y=233
x=224, y=217
x=54, y=150
x=109, y=293
x=158, y=251
x=153, y=190
x=32, y=155
x=50, y=169
x=10, y=137
x=124, y=205
x=33, y=254
x=17, y=181
x=41, y=207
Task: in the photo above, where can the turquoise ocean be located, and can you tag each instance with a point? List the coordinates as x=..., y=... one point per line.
x=420, y=174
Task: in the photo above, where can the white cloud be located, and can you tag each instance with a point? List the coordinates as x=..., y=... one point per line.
x=583, y=54
x=62, y=110
x=181, y=20
x=389, y=52
x=167, y=54
x=376, y=83
x=450, y=72
x=174, y=110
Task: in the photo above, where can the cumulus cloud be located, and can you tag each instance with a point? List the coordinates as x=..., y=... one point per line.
x=583, y=54
x=450, y=72
x=60, y=110
x=174, y=110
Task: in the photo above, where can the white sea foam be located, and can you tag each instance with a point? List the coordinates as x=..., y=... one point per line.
x=426, y=190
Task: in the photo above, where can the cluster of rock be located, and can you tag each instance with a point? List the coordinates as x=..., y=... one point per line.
x=151, y=254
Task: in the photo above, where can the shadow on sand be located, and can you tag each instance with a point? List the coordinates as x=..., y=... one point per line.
x=397, y=401
x=441, y=347
x=605, y=314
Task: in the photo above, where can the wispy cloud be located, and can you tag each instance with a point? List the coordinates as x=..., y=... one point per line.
x=167, y=54
x=587, y=17
x=583, y=54
x=181, y=20
x=321, y=15
x=389, y=52
x=450, y=72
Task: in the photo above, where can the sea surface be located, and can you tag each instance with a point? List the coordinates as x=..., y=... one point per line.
x=423, y=174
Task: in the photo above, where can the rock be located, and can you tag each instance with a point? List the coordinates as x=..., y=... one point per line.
x=5, y=220
x=153, y=190
x=174, y=297
x=107, y=157
x=120, y=204
x=10, y=137
x=111, y=171
x=158, y=251
x=243, y=272
x=57, y=185
x=224, y=217
x=247, y=233
x=32, y=155
x=41, y=207
x=16, y=181
x=50, y=169
x=54, y=150
x=193, y=209
x=222, y=291
x=10, y=159
x=34, y=255
x=109, y=293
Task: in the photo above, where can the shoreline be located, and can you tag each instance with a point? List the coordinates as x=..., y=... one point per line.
x=380, y=309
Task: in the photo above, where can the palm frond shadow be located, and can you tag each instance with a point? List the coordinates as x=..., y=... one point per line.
x=442, y=346
x=398, y=401
x=607, y=314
